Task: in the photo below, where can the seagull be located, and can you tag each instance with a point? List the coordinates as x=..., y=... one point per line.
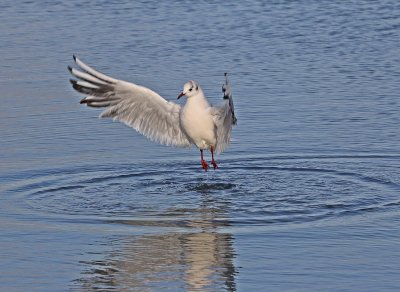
x=162, y=121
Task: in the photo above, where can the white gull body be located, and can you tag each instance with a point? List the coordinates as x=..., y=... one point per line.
x=165, y=122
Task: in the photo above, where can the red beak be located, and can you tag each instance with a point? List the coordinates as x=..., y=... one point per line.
x=180, y=95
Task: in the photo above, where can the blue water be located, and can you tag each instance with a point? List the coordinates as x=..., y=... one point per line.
x=306, y=198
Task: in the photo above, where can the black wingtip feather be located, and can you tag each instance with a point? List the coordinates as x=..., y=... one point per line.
x=76, y=86
x=83, y=101
x=70, y=69
x=73, y=56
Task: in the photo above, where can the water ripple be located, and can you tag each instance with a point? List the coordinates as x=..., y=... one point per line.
x=257, y=191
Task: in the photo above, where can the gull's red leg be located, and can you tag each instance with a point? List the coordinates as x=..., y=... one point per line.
x=213, y=161
x=203, y=162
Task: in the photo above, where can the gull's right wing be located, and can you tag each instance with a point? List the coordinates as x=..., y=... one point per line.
x=136, y=106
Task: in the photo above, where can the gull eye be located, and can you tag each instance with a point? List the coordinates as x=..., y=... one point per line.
x=190, y=89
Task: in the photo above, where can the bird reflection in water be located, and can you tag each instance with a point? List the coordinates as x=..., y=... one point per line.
x=199, y=258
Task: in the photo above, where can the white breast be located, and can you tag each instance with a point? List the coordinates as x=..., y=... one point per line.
x=197, y=122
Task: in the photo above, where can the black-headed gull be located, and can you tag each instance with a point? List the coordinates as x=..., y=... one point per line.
x=162, y=121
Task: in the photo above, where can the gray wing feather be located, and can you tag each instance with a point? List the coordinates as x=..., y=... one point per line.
x=136, y=106
x=224, y=118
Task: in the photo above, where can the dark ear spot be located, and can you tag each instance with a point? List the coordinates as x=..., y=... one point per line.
x=197, y=87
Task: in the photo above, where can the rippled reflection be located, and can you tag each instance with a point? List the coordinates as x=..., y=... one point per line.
x=198, y=259
x=157, y=230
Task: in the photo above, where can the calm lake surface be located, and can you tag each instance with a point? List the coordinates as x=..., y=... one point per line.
x=306, y=198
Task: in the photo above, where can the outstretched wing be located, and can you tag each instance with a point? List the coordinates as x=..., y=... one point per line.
x=227, y=90
x=224, y=118
x=136, y=106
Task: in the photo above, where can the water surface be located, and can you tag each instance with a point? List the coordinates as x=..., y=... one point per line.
x=306, y=197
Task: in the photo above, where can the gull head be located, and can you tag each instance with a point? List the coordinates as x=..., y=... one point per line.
x=191, y=88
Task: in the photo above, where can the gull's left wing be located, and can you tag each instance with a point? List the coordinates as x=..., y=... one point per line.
x=224, y=117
